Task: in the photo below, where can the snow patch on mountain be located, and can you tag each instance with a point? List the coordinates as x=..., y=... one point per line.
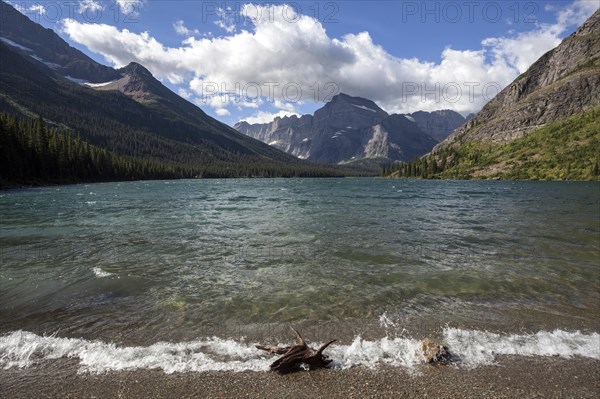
x=11, y=43
x=363, y=107
x=76, y=80
x=98, y=84
x=48, y=64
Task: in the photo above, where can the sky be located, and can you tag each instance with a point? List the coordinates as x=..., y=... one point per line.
x=255, y=61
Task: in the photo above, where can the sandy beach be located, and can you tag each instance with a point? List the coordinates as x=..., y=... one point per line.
x=510, y=377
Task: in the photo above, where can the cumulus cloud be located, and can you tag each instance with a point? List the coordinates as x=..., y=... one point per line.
x=576, y=13
x=183, y=30
x=289, y=107
x=90, y=5
x=222, y=112
x=40, y=9
x=287, y=57
x=130, y=7
x=120, y=47
x=227, y=19
x=523, y=49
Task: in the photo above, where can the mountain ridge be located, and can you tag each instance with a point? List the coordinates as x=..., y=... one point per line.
x=348, y=128
x=52, y=49
x=542, y=94
x=544, y=125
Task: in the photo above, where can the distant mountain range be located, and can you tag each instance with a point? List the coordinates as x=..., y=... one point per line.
x=544, y=125
x=126, y=111
x=348, y=129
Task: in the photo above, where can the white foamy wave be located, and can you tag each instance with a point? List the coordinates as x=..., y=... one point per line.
x=397, y=352
x=101, y=273
x=473, y=348
x=480, y=347
x=23, y=349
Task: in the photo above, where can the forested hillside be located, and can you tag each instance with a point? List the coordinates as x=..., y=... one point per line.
x=33, y=152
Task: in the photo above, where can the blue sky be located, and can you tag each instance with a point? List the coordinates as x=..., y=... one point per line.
x=254, y=61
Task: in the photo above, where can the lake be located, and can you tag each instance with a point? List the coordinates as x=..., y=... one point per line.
x=183, y=271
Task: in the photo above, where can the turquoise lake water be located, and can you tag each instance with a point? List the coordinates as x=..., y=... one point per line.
x=142, y=262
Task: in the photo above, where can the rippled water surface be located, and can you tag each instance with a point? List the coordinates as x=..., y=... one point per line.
x=147, y=261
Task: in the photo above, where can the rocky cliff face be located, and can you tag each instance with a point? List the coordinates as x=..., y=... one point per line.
x=349, y=128
x=563, y=82
x=438, y=124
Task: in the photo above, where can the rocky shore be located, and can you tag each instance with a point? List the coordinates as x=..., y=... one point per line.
x=510, y=377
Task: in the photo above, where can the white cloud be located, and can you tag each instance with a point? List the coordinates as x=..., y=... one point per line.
x=227, y=19
x=266, y=117
x=120, y=47
x=183, y=30
x=184, y=93
x=130, y=7
x=40, y=9
x=222, y=112
x=289, y=107
x=523, y=49
x=90, y=5
x=242, y=102
x=576, y=13
x=286, y=51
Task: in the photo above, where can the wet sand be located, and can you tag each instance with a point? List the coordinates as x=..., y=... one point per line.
x=511, y=377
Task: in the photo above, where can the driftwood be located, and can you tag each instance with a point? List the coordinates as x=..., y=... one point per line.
x=297, y=355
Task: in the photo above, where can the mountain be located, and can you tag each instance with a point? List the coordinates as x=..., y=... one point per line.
x=353, y=128
x=544, y=125
x=563, y=82
x=46, y=46
x=437, y=124
x=126, y=111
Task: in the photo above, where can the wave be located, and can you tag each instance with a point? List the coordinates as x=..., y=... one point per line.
x=471, y=347
x=24, y=349
x=101, y=273
x=481, y=347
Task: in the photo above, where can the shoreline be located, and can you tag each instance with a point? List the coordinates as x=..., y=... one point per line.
x=509, y=377
x=4, y=187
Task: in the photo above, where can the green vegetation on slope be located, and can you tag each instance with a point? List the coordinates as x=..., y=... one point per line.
x=564, y=150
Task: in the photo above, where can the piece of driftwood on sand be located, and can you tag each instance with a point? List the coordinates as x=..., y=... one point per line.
x=297, y=355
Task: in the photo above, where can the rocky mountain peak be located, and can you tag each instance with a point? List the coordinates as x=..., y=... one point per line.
x=438, y=124
x=591, y=26
x=350, y=128
x=344, y=110
x=135, y=69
